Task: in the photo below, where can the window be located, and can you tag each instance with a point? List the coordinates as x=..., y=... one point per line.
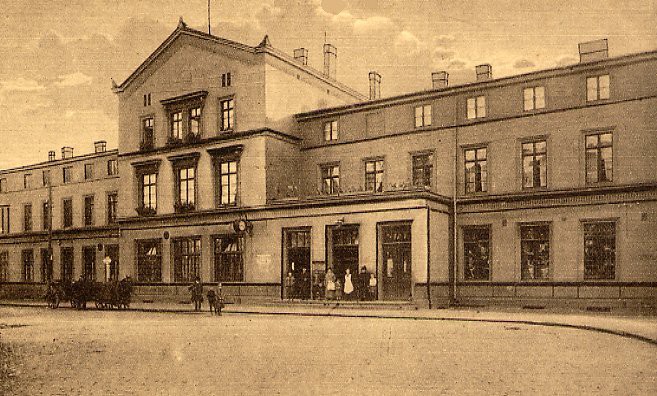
x=476, y=172
x=331, y=179
x=176, y=125
x=149, y=261
x=3, y=185
x=88, y=171
x=45, y=177
x=534, y=98
x=4, y=219
x=147, y=99
x=476, y=253
x=186, y=259
x=89, y=262
x=227, y=114
x=228, y=264
x=422, y=116
x=227, y=182
x=534, y=251
x=195, y=121
x=112, y=167
x=112, y=207
x=45, y=215
x=225, y=80
x=534, y=164
x=148, y=191
x=330, y=131
x=67, y=174
x=374, y=175
x=28, y=265
x=46, y=265
x=89, y=210
x=600, y=250
x=27, y=217
x=67, y=207
x=4, y=266
x=67, y=256
x=422, y=170
x=148, y=136
x=599, y=158
x=186, y=177
x=597, y=88
x=476, y=107
x=27, y=181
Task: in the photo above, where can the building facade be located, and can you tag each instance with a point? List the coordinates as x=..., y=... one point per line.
x=241, y=165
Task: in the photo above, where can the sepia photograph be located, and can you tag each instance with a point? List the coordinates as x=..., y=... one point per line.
x=328, y=197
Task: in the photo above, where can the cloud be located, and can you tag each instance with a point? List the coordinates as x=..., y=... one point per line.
x=406, y=43
x=365, y=25
x=566, y=60
x=334, y=7
x=440, y=54
x=523, y=64
x=22, y=85
x=73, y=79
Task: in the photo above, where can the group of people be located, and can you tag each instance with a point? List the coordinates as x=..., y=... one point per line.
x=215, y=297
x=362, y=288
x=299, y=286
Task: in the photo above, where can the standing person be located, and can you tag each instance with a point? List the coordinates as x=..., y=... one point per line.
x=372, y=287
x=329, y=284
x=212, y=300
x=304, y=293
x=290, y=285
x=363, y=283
x=197, y=293
x=348, y=285
x=220, y=300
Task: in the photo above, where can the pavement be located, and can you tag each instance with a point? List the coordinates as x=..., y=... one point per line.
x=634, y=326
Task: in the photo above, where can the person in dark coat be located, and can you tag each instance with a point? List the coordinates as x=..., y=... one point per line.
x=304, y=283
x=363, y=284
x=197, y=293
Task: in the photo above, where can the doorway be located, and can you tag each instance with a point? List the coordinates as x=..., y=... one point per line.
x=297, y=263
x=396, y=263
x=344, y=253
x=66, y=259
x=89, y=260
x=112, y=251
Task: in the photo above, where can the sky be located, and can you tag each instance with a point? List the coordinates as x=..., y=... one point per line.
x=57, y=57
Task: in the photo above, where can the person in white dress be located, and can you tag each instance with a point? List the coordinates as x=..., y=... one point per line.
x=348, y=285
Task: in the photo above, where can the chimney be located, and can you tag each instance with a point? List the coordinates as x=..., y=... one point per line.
x=593, y=50
x=301, y=56
x=67, y=152
x=51, y=155
x=484, y=72
x=375, y=85
x=100, y=146
x=439, y=79
x=330, y=60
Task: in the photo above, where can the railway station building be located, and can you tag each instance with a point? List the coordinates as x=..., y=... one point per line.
x=242, y=164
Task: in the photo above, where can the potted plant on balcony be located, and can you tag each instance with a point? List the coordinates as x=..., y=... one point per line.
x=145, y=211
x=184, y=207
x=193, y=137
x=174, y=141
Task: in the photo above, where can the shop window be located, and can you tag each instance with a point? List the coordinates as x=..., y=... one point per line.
x=67, y=215
x=89, y=211
x=423, y=170
x=112, y=207
x=228, y=260
x=534, y=164
x=4, y=219
x=600, y=250
x=534, y=98
x=374, y=175
x=28, y=265
x=27, y=217
x=599, y=158
x=597, y=88
x=227, y=114
x=186, y=259
x=535, y=251
x=422, y=116
x=476, y=170
x=476, y=107
x=476, y=253
x=149, y=261
x=331, y=131
x=4, y=266
x=330, y=179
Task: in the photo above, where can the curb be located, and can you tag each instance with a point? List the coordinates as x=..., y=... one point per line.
x=620, y=333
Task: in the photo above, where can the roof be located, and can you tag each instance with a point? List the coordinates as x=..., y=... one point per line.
x=264, y=47
x=478, y=85
x=61, y=161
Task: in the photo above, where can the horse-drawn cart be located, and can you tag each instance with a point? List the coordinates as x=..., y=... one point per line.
x=106, y=295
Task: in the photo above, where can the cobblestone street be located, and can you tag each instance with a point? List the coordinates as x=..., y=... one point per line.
x=96, y=352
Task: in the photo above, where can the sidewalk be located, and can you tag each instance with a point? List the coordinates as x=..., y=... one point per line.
x=642, y=328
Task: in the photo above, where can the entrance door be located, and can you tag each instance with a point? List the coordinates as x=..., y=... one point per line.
x=113, y=253
x=345, y=252
x=298, y=263
x=89, y=258
x=396, y=256
x=46, y=266
x=67, y=264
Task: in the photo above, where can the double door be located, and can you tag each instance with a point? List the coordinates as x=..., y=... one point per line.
x=396, y=263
